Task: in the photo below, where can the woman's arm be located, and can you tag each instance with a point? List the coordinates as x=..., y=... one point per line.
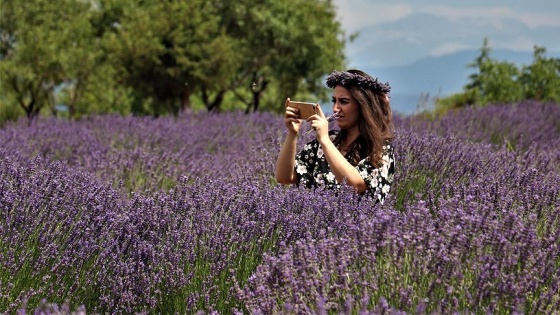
x=341, y=168
x=285, y=165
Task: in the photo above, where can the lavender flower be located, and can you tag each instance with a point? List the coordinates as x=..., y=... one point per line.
x=179, y=215
x=333, y=117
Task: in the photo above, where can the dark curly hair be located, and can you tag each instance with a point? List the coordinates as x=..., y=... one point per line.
x=376, y=118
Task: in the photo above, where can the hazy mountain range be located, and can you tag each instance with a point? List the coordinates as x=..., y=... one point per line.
x=424, y=47
x=437, y=76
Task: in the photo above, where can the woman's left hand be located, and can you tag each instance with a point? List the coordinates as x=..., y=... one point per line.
x=319, y=123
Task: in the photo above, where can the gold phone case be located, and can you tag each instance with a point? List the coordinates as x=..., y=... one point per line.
x=305, y=109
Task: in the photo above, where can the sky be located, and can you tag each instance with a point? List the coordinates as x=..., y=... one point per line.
x=395, y=33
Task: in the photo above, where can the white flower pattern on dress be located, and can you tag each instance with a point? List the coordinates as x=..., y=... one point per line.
x=312, y=170
x=301, y=169
x=373, y=182
x=385, y=170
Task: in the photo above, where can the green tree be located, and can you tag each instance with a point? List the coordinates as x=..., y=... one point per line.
x=8, y=111
x=164, y=50
x=286, y=48
x=503, y=82
x=42, y=49
x=103, y=89
x=500, y=83
x=495, y=81
x=101, y=93
x=168, y=51
x=541, y=79
x=480, y=63
x=80, y=60
x=22, y=69
x=154, y=57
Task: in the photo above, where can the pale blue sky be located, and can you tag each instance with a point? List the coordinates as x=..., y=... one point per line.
x=401, y=32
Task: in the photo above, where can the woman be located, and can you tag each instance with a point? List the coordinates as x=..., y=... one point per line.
x=360, y=153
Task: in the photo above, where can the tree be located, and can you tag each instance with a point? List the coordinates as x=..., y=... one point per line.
x=23, y=72
x=503, y=82
x=495, y=81
x=480, y=63
x=171, y=50
x=500, y=83
x=286, y=46
x=164, y=50
x=541, y=79
x=153, y=57
x=42, y=48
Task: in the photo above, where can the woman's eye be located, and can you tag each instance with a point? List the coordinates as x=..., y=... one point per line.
x=340, y=101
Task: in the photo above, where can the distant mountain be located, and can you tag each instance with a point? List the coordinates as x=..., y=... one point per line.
x=437, y=76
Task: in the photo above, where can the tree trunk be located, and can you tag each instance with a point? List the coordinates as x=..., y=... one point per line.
x=257, y=89
x=185, y=98
x=213, y=106
x=216, y=104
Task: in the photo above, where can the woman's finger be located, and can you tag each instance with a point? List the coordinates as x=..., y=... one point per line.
x=287, y=102
x=320, y=111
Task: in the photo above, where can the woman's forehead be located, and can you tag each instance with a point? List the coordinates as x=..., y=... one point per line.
x=339, y=92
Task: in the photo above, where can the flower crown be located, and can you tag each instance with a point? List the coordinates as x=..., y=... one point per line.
x=348, y=79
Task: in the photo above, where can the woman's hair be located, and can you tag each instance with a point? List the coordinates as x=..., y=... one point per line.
x=376, y=119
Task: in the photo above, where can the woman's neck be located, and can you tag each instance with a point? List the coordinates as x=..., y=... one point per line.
x=351, y=135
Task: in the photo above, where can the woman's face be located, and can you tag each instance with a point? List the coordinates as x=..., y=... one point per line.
x=347, y=108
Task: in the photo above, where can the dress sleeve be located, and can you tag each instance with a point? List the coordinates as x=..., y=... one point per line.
x=305, y=163
x=378, y=180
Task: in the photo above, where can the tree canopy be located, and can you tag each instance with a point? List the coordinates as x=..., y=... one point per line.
x=496, y=81
x=159, y=57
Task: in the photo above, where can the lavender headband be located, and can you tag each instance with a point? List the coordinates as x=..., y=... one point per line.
x=348, y=79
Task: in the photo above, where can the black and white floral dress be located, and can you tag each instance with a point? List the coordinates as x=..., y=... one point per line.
x=312, y=169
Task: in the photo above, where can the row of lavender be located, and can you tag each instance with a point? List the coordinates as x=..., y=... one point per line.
x=178, y=215
x=531, y=129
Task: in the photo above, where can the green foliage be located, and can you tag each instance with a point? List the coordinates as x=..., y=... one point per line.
x=153, y=57
x=455, y=101
x=292, y=44
x=499, y=83
x=162, y=50
x=8, y=111
x=503, y=82
x=44, y=44
x=541, y=79
x=101, y=95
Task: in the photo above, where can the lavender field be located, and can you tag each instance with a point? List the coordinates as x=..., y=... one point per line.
x=177, y=215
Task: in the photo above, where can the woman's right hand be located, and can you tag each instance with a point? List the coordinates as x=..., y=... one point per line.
x=291, y=118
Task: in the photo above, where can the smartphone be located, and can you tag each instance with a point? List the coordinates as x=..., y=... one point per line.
x=305, y=109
